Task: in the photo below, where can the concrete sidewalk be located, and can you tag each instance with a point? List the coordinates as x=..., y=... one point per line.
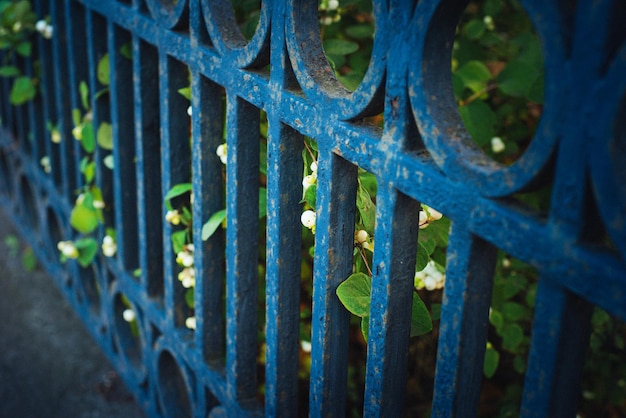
x=49, y=365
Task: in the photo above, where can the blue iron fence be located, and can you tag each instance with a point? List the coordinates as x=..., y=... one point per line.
x=157, y=47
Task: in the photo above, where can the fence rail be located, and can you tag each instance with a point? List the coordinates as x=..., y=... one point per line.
x=422, y=153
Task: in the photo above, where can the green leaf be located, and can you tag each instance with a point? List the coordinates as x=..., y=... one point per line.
x=492, y=7
x=475, y=28
x=263, y=149
x=4, y=5
x=83, y=219
x=496, y=319
x=105, y=136
x=262, y=202
x=474, y=75
x=23, y=90
x=598, y=318
x=360, y=31
x=24, y=49
x=87, y=140
x=530, y=296
x=513, y=311
x=103, y=71
x=536, y=90
x=340, y=47
x=458, y=86
x=530, y=52
x=365, y=324
x=479, y=120
x=9, y=71
x=111, y=232
x=519, y=364
x=517, y=78
x=369, y=182
x=189, y=297
x=492, y=358
x=427, y=239
x=512, y=336
x=423, y=257
x=358, y=264
x=96, y=194
x=421, y=321
x=18, y=11
x=185, y=216
x=88, y=197
x=178, y=190
x=89, y=171
x=439, y=231
x=13, y=244
x=76, y=117
x=249, y=25
x=185, y=92
x=355, y=292
x=179, y=239
x=310, y=195
x=366, y=209
x=351, y=80
x=84, y=95
x=212, y=224
x=87, y=250
x=29, y=261
x=439, y=256
x=513, y=285
x=126, y=50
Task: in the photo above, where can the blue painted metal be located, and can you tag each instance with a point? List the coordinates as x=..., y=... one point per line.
x=423, y=154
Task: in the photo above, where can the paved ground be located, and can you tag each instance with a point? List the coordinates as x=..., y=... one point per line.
x=49, y=365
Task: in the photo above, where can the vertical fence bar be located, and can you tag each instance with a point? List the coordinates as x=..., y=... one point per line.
x=463, y=327
x=122, y=122
x=21, y=117
x=147, y=136
x=560, y=335
x=334, y=241
x=78, y=70
x=99, y=100
x=561, y=324
x=46, y=87
x=242, y=193
x=284, y=237
x=207, y=128
x=393, y=269
x=175, y=167
x=24, y=125
x=19, y=126
x=62, y=88
x=284, y=191
x=7, y=107
x=397, y=225
x=34, y=108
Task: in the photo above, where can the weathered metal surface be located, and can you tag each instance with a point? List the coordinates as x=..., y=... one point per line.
x=422, y=154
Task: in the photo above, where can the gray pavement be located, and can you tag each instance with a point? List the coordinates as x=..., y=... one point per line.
x=49, y=365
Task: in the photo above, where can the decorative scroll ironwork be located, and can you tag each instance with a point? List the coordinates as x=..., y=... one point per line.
x=579, y=150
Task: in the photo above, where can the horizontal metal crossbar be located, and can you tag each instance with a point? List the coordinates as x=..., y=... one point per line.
x=135, y=60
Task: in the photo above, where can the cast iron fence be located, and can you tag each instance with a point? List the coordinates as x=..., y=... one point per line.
x=157, y=47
